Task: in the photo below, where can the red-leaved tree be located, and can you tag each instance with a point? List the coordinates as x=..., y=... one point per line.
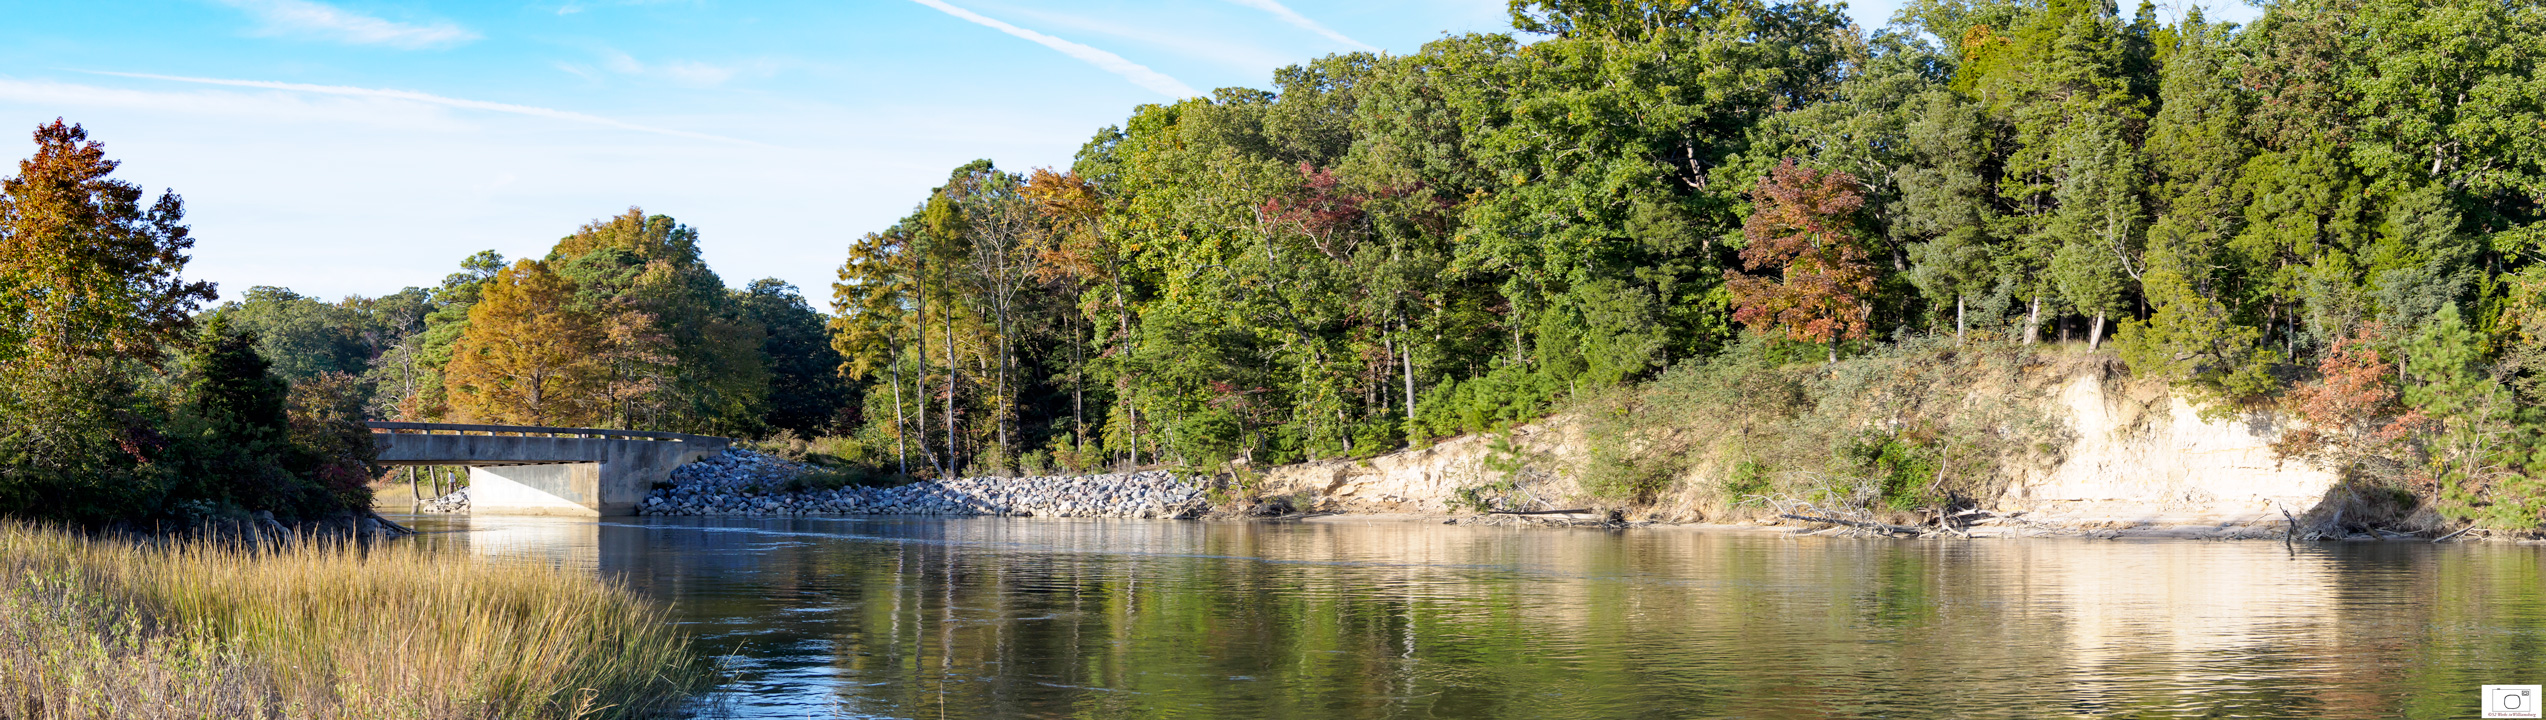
x=1322, y=210
x=2353, y=411
x=1801, y=226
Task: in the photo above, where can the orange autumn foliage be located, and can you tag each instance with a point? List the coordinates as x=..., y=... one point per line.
x=2353, y=408
x=1801, y=228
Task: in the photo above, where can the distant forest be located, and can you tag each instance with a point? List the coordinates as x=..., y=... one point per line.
x=620, y=325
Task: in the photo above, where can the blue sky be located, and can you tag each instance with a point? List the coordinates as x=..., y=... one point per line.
x=361, y=146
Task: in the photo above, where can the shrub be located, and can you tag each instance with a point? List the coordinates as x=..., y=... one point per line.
x=1910, y=425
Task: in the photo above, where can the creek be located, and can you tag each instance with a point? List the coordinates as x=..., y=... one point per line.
x=1348, y=617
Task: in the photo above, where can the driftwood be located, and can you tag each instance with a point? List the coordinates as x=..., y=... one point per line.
x=1886, y=527
x=2445, y=538
x=1538, y=512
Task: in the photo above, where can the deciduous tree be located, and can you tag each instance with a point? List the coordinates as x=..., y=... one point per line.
x=529, y=356
x=1802, y=227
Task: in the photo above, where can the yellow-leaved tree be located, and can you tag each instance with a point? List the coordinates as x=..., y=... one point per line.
x=529, y=356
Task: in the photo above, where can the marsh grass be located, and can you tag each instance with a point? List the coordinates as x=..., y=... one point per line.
x=116, y=629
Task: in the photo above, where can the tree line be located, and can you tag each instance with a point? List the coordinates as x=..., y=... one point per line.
x=620, y=325
x=1381, y=249
x=123, y=399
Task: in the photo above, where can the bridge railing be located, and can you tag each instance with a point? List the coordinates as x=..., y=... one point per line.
x=537, y=431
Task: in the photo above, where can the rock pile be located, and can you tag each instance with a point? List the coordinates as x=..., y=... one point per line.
x=742, y=482
x=456, y=502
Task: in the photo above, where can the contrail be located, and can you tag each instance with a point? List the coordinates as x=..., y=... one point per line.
x=1139, y=75
x=1287, y=15
x=412, y=96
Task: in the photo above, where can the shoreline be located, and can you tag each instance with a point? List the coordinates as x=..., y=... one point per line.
x=744, y=483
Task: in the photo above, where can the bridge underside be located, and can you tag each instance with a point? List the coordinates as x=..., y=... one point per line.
x=534, y=475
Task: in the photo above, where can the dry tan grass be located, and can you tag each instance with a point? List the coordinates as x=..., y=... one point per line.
x=112, y=629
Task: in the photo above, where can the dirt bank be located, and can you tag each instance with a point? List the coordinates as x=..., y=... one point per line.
x=2130, y=459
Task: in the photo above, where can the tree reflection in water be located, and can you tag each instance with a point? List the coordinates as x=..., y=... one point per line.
x=983, y=618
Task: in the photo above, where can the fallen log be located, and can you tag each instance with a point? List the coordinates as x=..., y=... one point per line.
x=1886, y=527
x=2445, y=538
x=1538, y=512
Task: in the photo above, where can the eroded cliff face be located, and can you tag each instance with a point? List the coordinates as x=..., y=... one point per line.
x=1428, y=480
x=2142, y=456
x=2136, y=456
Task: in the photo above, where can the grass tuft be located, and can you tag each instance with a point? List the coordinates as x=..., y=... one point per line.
x=113, y=629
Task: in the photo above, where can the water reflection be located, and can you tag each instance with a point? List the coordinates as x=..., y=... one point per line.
x=1048, y=618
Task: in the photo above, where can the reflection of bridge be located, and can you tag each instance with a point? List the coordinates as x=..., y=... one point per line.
x=546, y=470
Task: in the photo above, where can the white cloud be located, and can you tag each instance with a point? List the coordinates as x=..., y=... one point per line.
x=1216, y=49
x=429, y=99
x=1139, y=75
x=688, y=73
x=1287, y=15
x=302, y=17
x=74, y=100
x=571, y=6
x=331, y=194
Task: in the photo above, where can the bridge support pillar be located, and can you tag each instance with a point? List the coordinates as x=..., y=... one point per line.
x=569, y=489
x=611, y=487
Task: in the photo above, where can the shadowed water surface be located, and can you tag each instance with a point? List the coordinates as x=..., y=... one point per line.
x=991, y=618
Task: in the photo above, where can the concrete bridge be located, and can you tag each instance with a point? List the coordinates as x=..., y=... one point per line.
x=546, y=470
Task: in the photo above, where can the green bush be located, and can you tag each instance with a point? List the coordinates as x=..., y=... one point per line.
x=1747, y=484
x=1506, y=396
x=1906, y=472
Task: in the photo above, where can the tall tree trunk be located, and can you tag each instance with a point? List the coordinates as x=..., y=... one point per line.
x=1007, y=398
x=920, y=385
x=1078, y=394
x=901, y=450
x=1958, y=320
x=1122, y=382
x=2095, y=333
x=2033, y=322
x=953, y=460
x=1407, y=359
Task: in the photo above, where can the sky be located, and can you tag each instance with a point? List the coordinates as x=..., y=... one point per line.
x=363, y=146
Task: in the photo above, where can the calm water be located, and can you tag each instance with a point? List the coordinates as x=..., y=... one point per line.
x=979, y=618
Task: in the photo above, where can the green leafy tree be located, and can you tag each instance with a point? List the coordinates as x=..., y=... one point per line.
x=2100, y=224
x=423, y=364
x=303, y=337
x=90, y=291
x=1944, y=207
x=806, y=393
x=2469, y=433
x=232, y=428
x=678, y=353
